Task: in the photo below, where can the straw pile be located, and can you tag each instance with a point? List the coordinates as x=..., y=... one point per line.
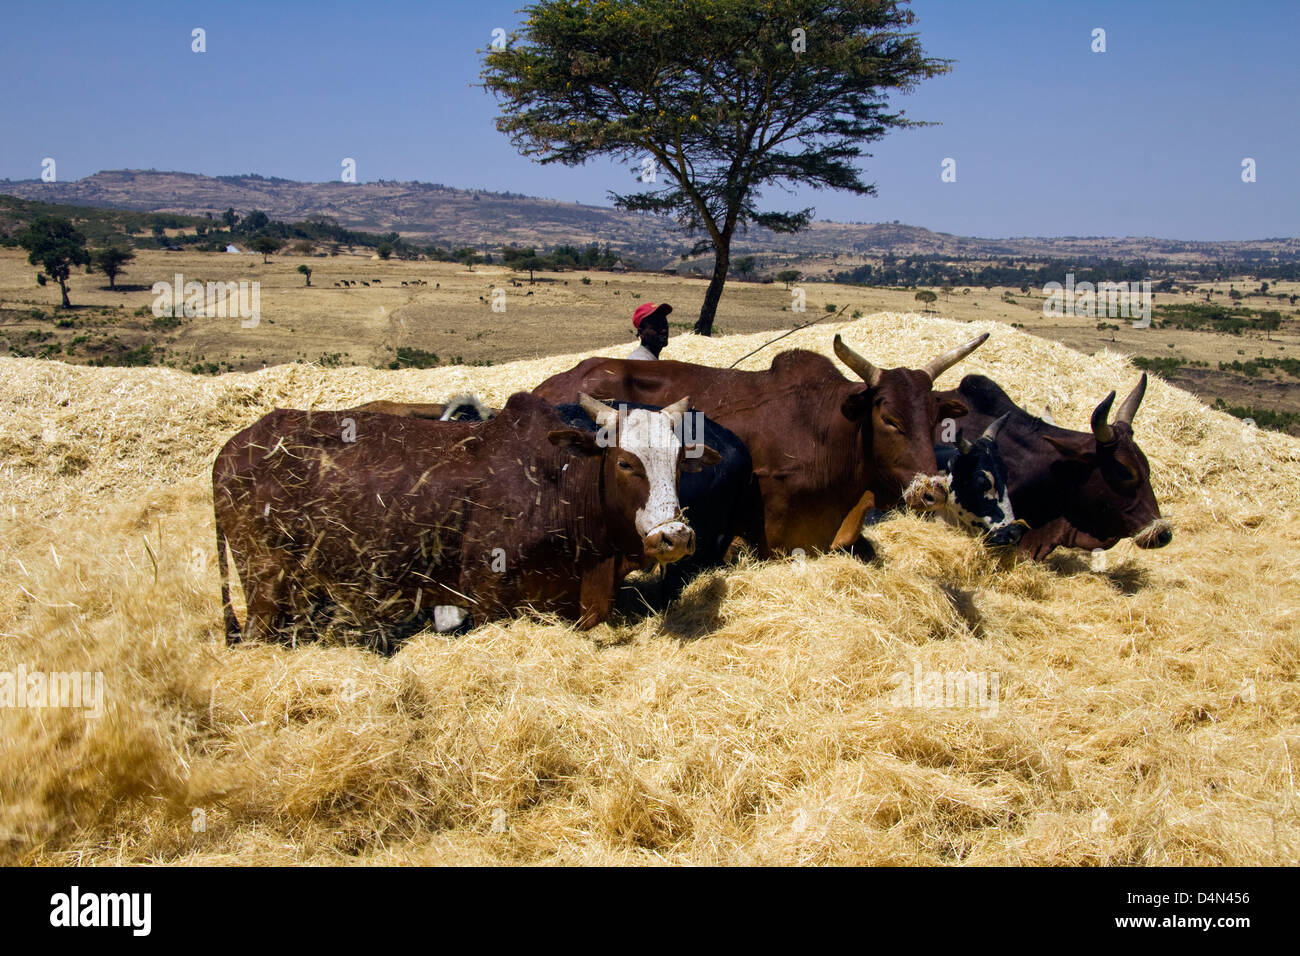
x=1141, y=713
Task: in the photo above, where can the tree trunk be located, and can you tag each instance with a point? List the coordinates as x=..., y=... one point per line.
x=63, y=287
x=704, y=326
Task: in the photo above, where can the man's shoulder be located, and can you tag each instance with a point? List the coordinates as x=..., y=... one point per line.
x=642, y=354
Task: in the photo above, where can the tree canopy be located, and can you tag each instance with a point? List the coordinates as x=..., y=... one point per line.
x=711, y=100
x=110, y=261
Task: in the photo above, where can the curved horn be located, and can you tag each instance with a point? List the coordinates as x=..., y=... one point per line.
x=600, y=412
x=1130, y=406
x=868, y=372
x=1101, y=429
x=995, y=426
x=677, y=409
x=937, y=366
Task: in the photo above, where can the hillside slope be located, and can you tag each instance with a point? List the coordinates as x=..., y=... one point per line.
x=1145, y=711
x=489, y=220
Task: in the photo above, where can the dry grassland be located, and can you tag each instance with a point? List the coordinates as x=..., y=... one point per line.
x=1144, y=711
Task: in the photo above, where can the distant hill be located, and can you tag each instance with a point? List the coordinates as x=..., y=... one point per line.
x=457, y=217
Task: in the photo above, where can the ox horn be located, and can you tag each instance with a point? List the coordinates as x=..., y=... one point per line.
x=868, y=372
x=600, y=412
x=995, y=426
x=677, y=409
x=1130, y=406
x=937, y=366
x=1101, y=429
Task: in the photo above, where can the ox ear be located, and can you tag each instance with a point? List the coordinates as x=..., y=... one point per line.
x=576, y=440
x=952, y=408
x=706, y=459
x=858, y=405
x=1070, y=452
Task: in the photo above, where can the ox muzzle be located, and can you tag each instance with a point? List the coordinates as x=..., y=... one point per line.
x=1155, y=535
x=926, y=493
x=1008, y=535
x=669, y=542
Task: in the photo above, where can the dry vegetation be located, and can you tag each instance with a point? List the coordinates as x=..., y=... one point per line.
x=1145, y=710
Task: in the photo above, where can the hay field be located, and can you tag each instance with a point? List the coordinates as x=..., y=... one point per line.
x=1145, y=712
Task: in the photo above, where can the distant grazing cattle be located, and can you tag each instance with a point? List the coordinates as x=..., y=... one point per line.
x=365, y=283
x=372, y=520
x=1074, y=489
x=825, y=449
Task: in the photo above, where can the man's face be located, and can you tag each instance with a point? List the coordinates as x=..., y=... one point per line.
x=654, y=333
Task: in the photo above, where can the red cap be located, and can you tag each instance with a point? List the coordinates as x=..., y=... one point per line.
x=645, y=310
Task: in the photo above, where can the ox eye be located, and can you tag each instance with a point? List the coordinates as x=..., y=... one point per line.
x=893, y=423
x=624, y=465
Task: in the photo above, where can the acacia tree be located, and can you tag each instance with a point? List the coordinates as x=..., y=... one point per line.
x=111, y=261
x=711, y=100
x=266, y=245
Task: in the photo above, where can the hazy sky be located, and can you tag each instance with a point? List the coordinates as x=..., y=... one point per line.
x=1049, y=138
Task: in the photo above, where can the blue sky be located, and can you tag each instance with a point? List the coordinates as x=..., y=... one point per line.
x=1049, y=138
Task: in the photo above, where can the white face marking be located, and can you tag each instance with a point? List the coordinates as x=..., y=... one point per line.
x=960, y=516
x=447, y=617
x=651, y=436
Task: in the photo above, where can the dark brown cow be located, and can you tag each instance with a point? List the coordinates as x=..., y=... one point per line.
x=1074, y=489
x=376, y=520
x=825, y=449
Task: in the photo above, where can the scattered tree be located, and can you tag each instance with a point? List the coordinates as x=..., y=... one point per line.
x=1269, y=322
x=926, y=298
x=110, y=262
x=523, y=257
x=54, y=245
x=266, y=245
x=384, y=249
x=305, y=270
x=788, y=276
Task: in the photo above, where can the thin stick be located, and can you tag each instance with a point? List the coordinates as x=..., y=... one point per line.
x=784, y=334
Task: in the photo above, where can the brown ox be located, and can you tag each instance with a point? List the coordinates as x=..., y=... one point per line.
x=825, y=449
x=376, y=520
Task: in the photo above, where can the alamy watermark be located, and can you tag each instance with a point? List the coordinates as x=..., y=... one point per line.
x=71, y=689
x=215, y=300
x=688, y=430
x=1110, y=299
x=950, y=690
x=129, y=910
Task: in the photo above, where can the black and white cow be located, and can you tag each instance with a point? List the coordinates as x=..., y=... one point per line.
x=976, y=479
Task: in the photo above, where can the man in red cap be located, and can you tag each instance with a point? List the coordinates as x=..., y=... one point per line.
x=651, y=324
